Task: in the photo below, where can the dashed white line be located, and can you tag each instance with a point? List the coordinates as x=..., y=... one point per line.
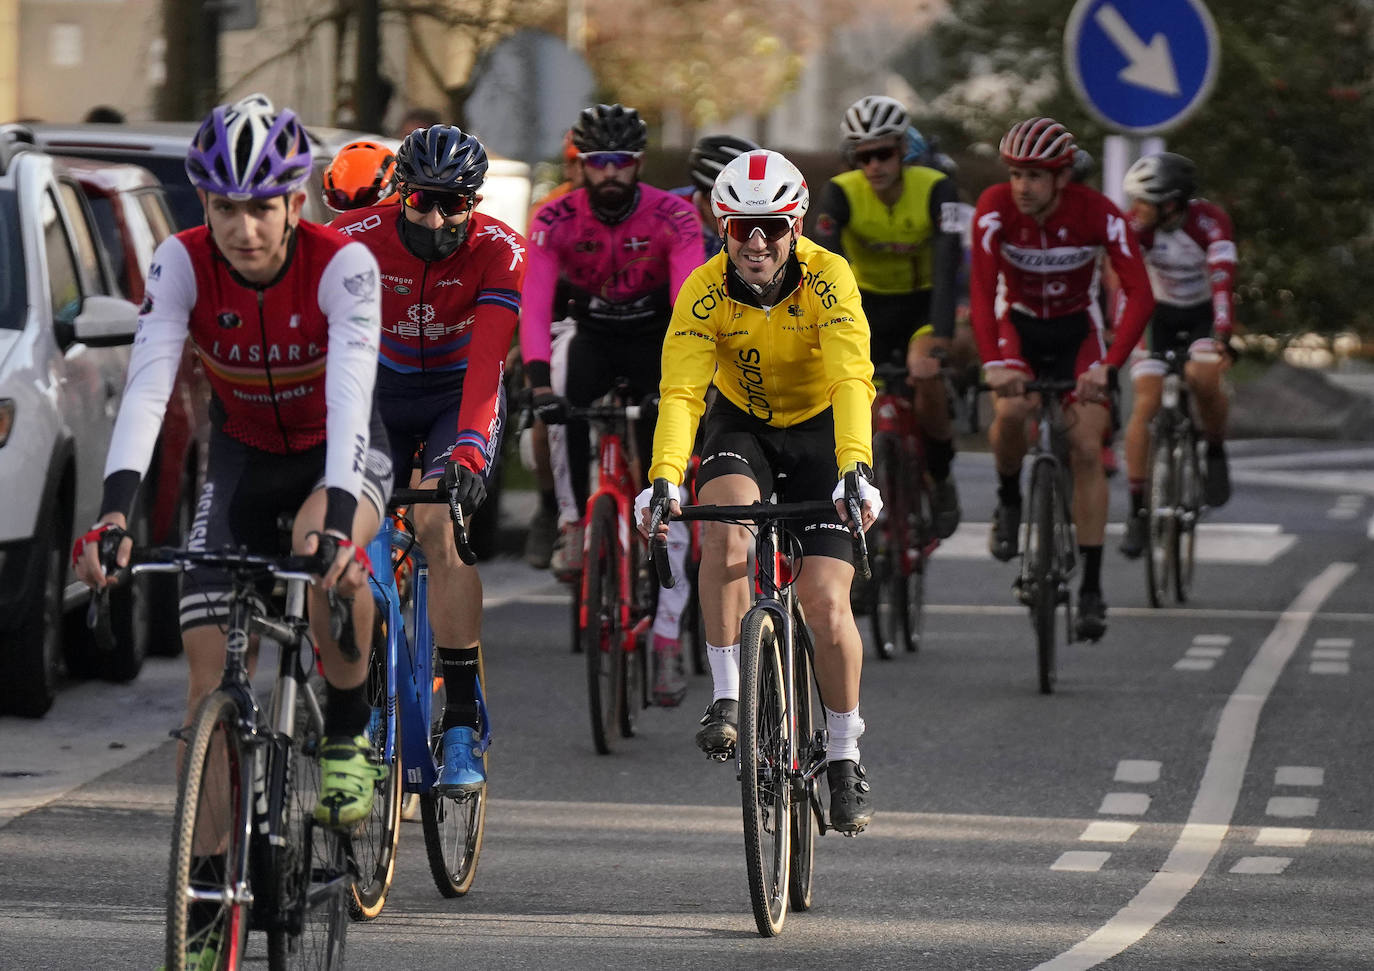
x=1137, y=770
x=1264, y=865
x=1210, y=817
x=1124, y=804
x=1213, y=640
x=1195, y=664
x=1329, y=667
x=1331, y=654
x=1282, y=836
x=1291, y=807
x=1198, y=651
x=1108, y=831
x=1299, y=775
x=1080, y=861
x=1325, y=642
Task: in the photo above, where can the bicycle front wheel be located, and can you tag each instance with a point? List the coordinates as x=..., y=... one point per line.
x=803, y=854
x=601, y=633
x=1044, y=575
x=454, y=825
x=374, y=845
x=886, y=588
x=1160, y=506
x=1189, y=502
x=764, y=784
x=208, y=834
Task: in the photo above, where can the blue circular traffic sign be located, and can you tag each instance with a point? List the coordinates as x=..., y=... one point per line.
x=1141, y=66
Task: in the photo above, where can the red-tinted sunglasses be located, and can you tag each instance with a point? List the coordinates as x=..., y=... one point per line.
x=448, y=203
x=874, y=155
x=603, y=160
x=771, y=228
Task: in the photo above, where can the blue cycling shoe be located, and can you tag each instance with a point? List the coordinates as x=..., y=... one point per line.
x=463, y=770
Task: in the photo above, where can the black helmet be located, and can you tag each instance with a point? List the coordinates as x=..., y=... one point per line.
x=1083, y=165
x=610, y=128
x=1159, y=178
x=712, y=153
x=442, y=157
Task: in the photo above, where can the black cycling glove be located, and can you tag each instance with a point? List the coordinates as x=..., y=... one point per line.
x=465, y=485
x=550, y=408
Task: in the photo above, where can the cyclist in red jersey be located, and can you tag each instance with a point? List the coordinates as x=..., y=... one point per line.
x=1036, y=240
x=1190, y=254
x=284, y=315
x=612, y=256
x=451, y=281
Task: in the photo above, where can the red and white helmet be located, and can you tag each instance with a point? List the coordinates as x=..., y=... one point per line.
x=1037, y=143
x=760, y=183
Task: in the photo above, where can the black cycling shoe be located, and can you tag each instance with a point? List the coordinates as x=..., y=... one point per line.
x=944, y=508
x=850, y=807
x=1090, y=622
x=1004, y=541
x=1137, y=532
x=718, y=729
x=1216, y=485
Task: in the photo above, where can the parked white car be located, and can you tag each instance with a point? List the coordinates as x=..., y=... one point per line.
x=64, y=340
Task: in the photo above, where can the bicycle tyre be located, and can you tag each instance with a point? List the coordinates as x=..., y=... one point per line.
x=217, y=721
x=921, y=540
x=886, y=587
x=1040, y=550
x=601, y=633
x=374, y=845
x=801, y=876
x=1189, y=502
x=764, y=787
x=1160, y=520
x=310, y=861
x=454, y=829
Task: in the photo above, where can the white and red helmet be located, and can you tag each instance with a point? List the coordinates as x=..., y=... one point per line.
x=1037, y=143
x=760, y=183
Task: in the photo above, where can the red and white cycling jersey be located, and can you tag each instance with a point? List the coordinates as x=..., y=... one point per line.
x=1195, y=262
x=292, y=364
x=454, y=314
x=1049, y=269
x=621, y=277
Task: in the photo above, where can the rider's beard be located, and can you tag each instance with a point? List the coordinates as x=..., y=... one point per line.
x=611, y=196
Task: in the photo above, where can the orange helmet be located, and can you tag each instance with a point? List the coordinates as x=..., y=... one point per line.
x=360, y=175
x=569, y=149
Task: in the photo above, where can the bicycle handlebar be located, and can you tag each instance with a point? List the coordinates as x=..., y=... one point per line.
x=409, y=497
x=1042, y=385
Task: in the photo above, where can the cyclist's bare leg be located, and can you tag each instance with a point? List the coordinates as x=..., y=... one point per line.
x=1007, y=434
x=823, y=588
x=931, y=396
x=723, y=582
x=1087, y=423
x=1147, y=389
x=455, y=601
x=1204, y=380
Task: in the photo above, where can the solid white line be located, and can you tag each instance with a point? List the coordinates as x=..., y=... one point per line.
x=1299, y=775
x=1215, y=803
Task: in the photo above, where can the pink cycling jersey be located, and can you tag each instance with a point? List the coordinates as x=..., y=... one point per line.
x=1194, y=262
x=1049, y=269
x=620, y=278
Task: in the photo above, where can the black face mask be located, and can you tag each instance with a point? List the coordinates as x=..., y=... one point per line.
x=431, y=245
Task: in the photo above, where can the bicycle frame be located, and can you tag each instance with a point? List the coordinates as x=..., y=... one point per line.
x=1048, y=451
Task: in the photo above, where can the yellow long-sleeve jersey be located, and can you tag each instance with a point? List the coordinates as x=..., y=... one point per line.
x=782, y=364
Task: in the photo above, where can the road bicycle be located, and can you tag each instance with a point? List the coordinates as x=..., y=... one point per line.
x=903, y=537
x=1173, y=493
x=406, y=727
x=1048, y=552
x=780, y=750
x=246, y=850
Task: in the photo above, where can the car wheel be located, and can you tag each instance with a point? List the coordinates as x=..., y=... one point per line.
x=35, y=656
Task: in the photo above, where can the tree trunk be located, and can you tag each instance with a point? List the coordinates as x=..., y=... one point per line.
x=367, y=89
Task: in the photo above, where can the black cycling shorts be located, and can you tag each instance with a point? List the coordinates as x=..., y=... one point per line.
x=1058, y=348
x=1176, y=328
x=421, y=409
x=892, y=320
x=247, y=493
x=737, y=443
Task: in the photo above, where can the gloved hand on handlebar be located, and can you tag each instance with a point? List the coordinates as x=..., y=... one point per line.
x=857, y=484
x=550, y=408
x=662, y=495
x=465, y=485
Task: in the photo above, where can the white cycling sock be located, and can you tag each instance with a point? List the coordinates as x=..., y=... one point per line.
x=844, y=728
x=724, y=671
x=668, y=618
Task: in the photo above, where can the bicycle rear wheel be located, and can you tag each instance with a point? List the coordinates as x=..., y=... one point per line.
x=601, y=633
x=1189, y=502
x=311, y=863
x=1161, y=534
x=454, y=825
x=1044, y=578
x=374, y=845
x=886, y=588
x=208, y=833
x=801, y=879
x=764, y=785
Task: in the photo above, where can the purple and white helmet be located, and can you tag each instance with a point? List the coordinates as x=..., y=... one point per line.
x=249, y=150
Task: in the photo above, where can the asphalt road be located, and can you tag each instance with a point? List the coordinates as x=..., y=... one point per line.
x=1195, y=795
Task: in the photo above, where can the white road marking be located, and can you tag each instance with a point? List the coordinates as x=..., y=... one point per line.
x=1282, y=836
x=1263, y=865
x=1108, y=831
x=1322, y=642
x=1328, y=667
x=1080, y=861
x=1124, y=804
x=1212, y=640
x=1254, y=544
x=1331, y=654
x=1210, y=817
x=1212, y=652
x=1137, y=770
x=1369, y=528
x=1291, y=807
x=1195, y=664
x=1299, y=775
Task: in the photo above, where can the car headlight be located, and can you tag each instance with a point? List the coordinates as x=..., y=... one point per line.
x=6, y=419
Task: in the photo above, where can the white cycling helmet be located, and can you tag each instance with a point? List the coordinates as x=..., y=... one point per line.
x=874, y=116
x=760, y=183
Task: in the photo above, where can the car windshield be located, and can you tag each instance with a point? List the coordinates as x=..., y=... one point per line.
x=181, y=195
x=13, y=286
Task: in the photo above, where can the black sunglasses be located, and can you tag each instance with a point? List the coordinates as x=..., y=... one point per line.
x=874, y=155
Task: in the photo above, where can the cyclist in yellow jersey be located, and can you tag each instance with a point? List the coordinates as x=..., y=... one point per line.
x=899, y=227
x=775, y=323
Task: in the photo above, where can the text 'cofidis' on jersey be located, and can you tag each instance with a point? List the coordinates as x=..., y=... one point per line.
x=749, y=378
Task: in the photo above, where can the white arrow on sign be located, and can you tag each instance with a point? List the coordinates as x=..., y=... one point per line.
x=1151, y=65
